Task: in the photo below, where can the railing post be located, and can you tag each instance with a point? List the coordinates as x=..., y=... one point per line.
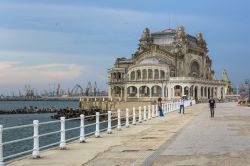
x=97, y=126
x=134, y=116
x=156, y=110
x=1, y=146
x=35, y=152
x=153, y=111
x=140, y=116
x=63, y=141
x=82, y=129
x=109, y=123
x=149, y=112
x=127, y=118
x=145, y=113
x=119, y=126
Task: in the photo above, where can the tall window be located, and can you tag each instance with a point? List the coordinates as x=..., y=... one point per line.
x=150, y=74
x=156, y=74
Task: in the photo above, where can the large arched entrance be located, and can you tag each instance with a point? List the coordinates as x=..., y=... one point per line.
x=132, y=91
x=117, y=91
x=186, y=91
x=156, y=91
x=144, y=91
x=177, y=90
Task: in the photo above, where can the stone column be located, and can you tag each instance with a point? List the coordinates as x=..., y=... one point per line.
x=182, y=90
x=138, y=92
x=150, y=92
x=172, y=92
x=125, y=93
x=199, y=92
x=122, y=93
x=169, y=93
x=162, y=91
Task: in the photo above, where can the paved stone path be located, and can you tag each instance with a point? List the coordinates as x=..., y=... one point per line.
x=130, y=146
x=191, y=139
x=223, y=140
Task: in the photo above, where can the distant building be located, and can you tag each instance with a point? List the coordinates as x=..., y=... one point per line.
x=167, y=64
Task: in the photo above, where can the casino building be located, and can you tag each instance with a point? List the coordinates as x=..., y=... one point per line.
x=168, y=64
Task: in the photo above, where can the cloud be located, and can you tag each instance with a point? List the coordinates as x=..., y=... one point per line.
x=13, y=73
x=5, y=65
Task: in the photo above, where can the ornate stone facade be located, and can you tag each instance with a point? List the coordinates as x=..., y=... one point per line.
x=167, y=64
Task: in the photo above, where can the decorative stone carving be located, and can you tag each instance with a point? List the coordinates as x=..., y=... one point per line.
x=200, y=40
x=145, y=40
x=181, y=36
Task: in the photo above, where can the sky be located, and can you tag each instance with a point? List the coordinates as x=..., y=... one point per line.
x=46, y=42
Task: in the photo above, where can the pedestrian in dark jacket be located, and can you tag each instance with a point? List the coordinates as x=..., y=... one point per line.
x=211, y=106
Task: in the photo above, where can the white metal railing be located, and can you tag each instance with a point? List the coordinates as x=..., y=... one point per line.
x=150, y=111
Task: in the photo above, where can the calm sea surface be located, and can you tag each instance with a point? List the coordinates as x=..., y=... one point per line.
x=22, y=119
x=10, y=105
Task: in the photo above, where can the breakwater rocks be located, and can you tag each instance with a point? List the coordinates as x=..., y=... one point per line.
x=71, y=113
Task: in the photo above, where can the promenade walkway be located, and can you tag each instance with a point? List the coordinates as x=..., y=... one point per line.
x=220, y=141
x=190, y=139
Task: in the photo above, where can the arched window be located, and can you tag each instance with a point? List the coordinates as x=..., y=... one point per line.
x=162, y=75
x=144, y=74
x=150, y=74
x=156, y=74
x=132, y=75
x=195, y=69
x=138, y=73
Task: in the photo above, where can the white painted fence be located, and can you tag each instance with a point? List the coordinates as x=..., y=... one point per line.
x=149, y=112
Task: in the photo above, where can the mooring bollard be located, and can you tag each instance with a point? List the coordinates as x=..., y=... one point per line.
x=1, y=146
x=153, y=111
x=109, y=123
x=145, y=113
x=97, y=128
x=134, y=116
x=119, y=126
x=63, y=141
x=127, y=117
x=149, y=112
x=35, y=152
x=82, y=129
x=140, y=116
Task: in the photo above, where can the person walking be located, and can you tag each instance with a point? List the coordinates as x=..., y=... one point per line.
x=160, y=106
x=182, y=105
x=212, y=106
